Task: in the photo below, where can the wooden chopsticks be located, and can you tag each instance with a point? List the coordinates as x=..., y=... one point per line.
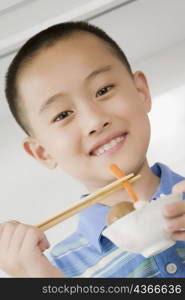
x=119, y=174
x=87, y=201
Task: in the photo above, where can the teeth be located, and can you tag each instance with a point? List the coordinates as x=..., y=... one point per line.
x=108, y=146
x=118, y=139
x=113, y=143
x=101, y=150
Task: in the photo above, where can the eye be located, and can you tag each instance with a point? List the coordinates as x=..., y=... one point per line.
x=62, y=116
x=104, y=90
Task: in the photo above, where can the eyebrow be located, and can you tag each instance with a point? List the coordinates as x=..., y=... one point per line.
x=93, y=74
x=98, y=71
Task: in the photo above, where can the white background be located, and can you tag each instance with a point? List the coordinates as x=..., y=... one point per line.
x=152, y=34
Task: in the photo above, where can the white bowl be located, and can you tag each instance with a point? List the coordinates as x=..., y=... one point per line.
x=142, y=231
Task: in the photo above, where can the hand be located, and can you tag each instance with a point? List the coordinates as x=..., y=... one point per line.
x=21, y=251
x=174, y=214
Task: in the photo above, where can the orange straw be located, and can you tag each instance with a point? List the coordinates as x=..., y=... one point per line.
x=119, y=173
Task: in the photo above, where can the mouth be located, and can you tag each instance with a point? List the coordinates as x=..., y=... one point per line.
x=110, y=145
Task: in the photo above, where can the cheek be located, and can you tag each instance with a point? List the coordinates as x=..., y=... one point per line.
x=60, y=144
x=132, y=112
x=66, y=145
x=144, y=130
x=141, y=134
x=123, y=106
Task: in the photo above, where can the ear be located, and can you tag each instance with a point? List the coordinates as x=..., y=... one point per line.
x=33, y=148
x=143, y=89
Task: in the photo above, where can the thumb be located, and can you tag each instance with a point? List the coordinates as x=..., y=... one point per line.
x=43, y=244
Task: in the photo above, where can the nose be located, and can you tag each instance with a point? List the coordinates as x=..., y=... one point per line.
x=99, y=127
x=95, y=120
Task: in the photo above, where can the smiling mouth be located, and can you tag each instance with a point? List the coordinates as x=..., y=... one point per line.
x=110, y=147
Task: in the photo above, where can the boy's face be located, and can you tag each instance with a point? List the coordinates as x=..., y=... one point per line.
x=92, y=100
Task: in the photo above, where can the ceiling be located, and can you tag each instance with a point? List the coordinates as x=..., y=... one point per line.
x=29, y=17
x=141, y=27
x=7, y=4
x=145, y=27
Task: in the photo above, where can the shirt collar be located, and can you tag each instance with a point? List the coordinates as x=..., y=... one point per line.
x=168, y=179
x=92, y=220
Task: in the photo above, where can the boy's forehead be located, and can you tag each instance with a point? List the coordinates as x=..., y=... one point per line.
x=72, y=57
x=85, y=41
x=79, y=47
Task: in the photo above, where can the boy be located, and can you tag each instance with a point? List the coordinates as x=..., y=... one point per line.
x=76, y=68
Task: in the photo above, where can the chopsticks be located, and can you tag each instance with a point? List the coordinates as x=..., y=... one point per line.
x=119, y=173
x=87, y=201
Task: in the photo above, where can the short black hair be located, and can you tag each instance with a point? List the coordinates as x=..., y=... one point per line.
x=41, y=40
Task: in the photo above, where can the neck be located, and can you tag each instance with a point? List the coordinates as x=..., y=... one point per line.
x=144, y=187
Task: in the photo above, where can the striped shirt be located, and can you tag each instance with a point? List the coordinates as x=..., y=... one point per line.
x=87, y=253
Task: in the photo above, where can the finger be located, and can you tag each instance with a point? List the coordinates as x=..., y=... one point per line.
x=179, y=187
x=18, y=238
x=174, y=209
x=14, y=222
x=178, y=236
x=175, y=224
x=1, y=229
x=44, y=244
x=2, y=225
x=4, y=238
x=6, y=235
x=11, y=222
x=31, y=241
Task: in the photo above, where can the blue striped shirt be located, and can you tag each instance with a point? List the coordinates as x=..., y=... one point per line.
x=87, y=253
